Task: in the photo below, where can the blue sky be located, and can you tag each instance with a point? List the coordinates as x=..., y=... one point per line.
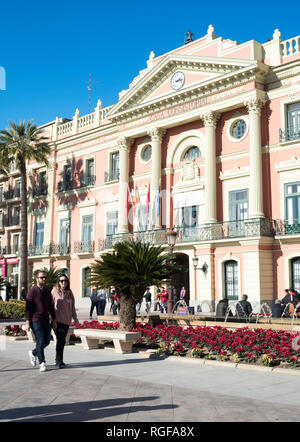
x=49, y=48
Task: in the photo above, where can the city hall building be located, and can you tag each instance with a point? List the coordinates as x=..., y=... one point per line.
x=205, y=140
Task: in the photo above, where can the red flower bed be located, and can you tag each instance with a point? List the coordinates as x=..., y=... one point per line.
x=269, y=347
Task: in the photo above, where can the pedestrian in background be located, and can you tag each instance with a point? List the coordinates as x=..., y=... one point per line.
x=101, y=298
x=64, y=305
x=38, y=307
x=94, y=302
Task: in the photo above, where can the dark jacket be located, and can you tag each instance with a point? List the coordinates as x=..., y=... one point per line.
x=244, y=308
x=277, y=310
x=288, y=298
x=39, y=305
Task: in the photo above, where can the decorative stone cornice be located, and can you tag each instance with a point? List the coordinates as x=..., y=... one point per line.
x=156, y=134
x=210, y=118
x=254, y=105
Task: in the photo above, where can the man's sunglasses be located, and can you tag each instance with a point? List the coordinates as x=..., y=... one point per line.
x=42, y=277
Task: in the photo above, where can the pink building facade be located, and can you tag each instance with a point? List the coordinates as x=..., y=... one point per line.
x=206, y=139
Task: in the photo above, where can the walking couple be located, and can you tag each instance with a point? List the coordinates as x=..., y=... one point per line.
x=60, y=304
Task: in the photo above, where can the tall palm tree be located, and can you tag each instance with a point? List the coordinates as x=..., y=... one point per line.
x=22, y=143
x=131, y=267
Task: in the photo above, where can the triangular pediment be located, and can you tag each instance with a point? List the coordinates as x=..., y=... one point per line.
x=154, y=85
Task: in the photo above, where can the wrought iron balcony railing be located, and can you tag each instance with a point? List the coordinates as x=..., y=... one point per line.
x=248, y=228
x=64, y=185
x=112, y=175
x=87, y=180
x=39, y=250
x=12, y=193
x=60, y=249
x=290, y=134
x=284, y=227
x=84, y=246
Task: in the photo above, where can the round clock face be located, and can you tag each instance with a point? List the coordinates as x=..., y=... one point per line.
x=177, y=80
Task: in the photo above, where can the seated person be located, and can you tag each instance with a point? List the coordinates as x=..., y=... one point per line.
x=277, y=309
x=292, y=309
x=243, y=307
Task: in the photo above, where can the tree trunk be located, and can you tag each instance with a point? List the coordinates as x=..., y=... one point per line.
x=24, y=231
x=127, y=313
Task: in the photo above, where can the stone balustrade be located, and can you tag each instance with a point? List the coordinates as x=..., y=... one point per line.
x=291, y=46
x=81, y=122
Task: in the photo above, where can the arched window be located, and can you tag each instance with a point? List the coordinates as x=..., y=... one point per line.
x=231, y=280
x=192, y=153
x=296, y=274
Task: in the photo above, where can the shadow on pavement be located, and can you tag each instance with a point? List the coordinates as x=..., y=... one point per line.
x=82, y=411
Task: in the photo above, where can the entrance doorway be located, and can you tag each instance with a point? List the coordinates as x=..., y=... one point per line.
x=231, y=280
x=182, y=278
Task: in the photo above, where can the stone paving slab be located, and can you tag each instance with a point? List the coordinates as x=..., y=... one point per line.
x=102, y=386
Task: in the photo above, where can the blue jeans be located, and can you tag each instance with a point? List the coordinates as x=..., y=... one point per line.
x=41, y=330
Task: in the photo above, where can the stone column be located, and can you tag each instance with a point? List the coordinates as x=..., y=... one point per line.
x=156, y=135
x=210, y=122
x=256, y=209
x=124, y=145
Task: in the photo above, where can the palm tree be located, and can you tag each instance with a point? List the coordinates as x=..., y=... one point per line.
x=131, y=267
x=22, y=143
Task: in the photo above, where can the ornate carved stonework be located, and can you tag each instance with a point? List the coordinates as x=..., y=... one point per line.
x=125, y=142
x=254, y=105
x=210, y=118
x=156, y=134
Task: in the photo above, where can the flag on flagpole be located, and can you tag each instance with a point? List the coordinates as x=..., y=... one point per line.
x=148, y=200
x=158, y=201
x=136, y=200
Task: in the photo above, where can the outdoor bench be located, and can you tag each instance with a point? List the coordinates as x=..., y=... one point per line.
x=31, y=336
x=123, y=340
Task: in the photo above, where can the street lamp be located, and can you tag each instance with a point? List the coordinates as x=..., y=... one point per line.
x=171, y=236
x=204, y=267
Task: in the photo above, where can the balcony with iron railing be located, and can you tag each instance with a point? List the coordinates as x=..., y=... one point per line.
x=84, y=246
x=12, y=194
x=65, y=185
x=289, y=134
x=283, y=227
x=248, y=228
x=112, y=175
x=87, y=180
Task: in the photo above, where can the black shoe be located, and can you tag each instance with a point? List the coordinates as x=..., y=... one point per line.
x=60, y=364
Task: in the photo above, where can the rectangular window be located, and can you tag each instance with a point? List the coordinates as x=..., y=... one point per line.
x=67, y=176
x=238, y=205
x=16, y=242
x=87, y=228
x=111, y=223
x=292, y=207
x=1, y=194
x=39, y=234
x=17, y=189
x=189, y=221
x=293, y=117
x=64, y=235
x=42, y=183
x=89, y=176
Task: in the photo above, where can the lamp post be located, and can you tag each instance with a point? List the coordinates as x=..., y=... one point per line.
x=171, y=236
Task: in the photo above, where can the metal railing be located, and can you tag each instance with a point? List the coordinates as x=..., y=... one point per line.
x=84, y=246
x=87, y=180
x=290, y=134
x=64, y=185
x=112, y=175
x=284, y=227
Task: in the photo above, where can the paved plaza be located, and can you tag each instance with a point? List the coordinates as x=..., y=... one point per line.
x=103, y=386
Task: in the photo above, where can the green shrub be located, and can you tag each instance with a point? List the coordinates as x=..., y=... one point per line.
x=12, y=309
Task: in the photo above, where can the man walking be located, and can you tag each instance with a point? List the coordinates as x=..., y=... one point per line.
x=38, y=306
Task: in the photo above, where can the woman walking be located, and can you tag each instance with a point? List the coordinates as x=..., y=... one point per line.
x=64, y=305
